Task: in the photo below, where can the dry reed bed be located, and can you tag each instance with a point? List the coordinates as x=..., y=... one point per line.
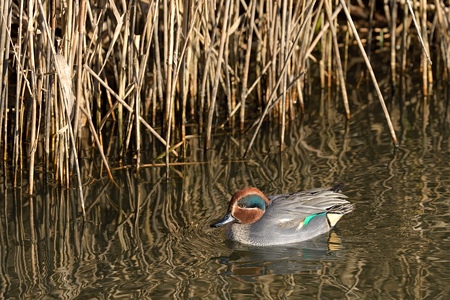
x=152, y=67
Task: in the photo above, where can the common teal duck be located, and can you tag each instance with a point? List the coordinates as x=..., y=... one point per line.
x=258, y=220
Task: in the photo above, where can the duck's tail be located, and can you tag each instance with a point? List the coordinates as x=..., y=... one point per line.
x=337, y=188
x=335, y=213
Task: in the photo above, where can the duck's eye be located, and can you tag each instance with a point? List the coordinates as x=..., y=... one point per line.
x=242, y=205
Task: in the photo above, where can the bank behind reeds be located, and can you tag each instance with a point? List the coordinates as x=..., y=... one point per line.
x=130, y=70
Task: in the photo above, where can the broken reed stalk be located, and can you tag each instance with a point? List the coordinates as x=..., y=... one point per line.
x=162, y=64
x=424, y=25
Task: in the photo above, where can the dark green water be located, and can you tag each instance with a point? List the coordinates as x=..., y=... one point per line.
x=151, y=238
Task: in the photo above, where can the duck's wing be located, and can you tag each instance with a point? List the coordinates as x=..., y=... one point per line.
x=296, y=210
x=315, y=200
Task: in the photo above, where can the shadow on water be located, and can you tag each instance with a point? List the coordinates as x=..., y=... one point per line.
x=150, y=238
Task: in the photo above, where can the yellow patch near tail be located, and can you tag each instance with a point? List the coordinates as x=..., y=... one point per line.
x=333, y=218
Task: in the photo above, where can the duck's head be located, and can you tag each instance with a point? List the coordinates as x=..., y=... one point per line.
x=246, y=206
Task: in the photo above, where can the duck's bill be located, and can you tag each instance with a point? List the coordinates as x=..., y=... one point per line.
x=225, y=220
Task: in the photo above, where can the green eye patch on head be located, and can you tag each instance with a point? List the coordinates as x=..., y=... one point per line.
x=252, y=201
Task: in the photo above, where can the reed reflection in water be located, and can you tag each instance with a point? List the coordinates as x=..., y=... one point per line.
x=150, y=238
